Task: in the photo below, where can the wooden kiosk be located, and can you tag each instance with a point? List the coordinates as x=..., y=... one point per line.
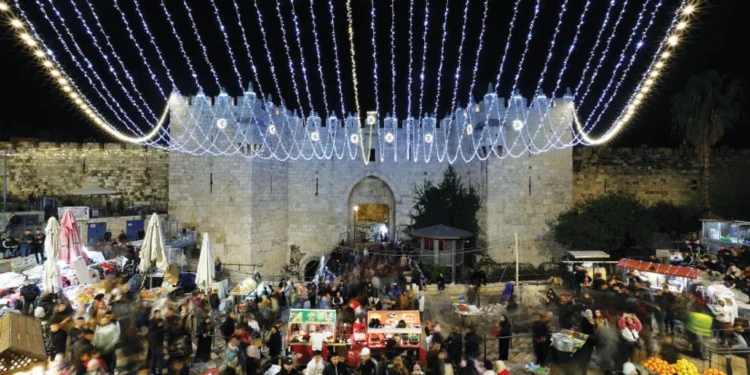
x=404, y=327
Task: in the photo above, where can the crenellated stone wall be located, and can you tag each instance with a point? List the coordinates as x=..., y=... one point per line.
x=651, y=174
x=54, y=169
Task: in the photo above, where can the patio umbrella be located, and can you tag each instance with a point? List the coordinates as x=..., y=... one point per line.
x=206, y=270
x=52, y=280
x=71, y=246
x=153, y=253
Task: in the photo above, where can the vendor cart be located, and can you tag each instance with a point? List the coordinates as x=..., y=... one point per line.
x=403, y=327
x=677, y=278
x=303, y=323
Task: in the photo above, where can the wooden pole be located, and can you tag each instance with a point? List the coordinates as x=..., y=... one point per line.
x=516, y=236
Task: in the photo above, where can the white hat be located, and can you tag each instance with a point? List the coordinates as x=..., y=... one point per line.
x=499, y=366
x=628, y=368
x=364, y=352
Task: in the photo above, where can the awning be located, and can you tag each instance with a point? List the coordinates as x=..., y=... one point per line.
x=664, y=269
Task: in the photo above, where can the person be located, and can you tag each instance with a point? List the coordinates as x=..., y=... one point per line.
x=368, y=365
x=724, y=318
x=274, y=342
x=479, y=278
x=122, y=237
x=540, y=334
x=503, y=335
x=599, y=319
x=14, y=221
x=94, y=368
x=228, y=327
x=435, y=364
x=441, y=283
x=338, y=300
x=316, y=364
x=107, y=336
x=499, y=368
x=59, y=339
x=82, y=347
x=203, y=351
x=288, y=367
x=398, y=367
x=471, y=343
x=77, y=331
x=156, y=334
x=10, y=248
x=275, y=366
x=29, y=293
x=666, y=300
x=455, y=346
x=317, y=339
x=734, y=275
x=214, y=301
x=27, y=243
x=630, y=328
x=336, y=366
x=38, y=249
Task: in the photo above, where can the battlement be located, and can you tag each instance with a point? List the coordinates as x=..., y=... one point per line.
x=30, y=145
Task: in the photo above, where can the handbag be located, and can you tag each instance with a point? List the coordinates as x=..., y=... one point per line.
x=630, y=335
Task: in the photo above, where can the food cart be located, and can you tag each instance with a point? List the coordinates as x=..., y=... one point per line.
x=593, y=261
x=404, y=327
x=305, y=322
x=725, y=232
x=657, y=275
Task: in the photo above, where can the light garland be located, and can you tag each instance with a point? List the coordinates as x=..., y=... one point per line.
x=260, y=129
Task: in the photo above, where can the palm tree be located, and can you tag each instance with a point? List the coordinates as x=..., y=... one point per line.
x=707, y=107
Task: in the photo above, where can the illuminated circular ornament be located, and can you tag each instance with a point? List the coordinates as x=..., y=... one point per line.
x=389, y=137
x=272, y=129
x=315, y=136
x=469, y=129
x=354, y=138
x=221, y=123
x=370, y=120
x=517, y=125
x=428, y=138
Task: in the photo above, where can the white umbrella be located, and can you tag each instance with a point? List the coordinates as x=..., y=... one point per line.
x=52, y=280
x=153, y=253
x=206, y=270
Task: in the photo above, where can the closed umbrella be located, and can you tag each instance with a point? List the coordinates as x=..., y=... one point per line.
x=52, y=280
x=71, y=246
x=153, y=253
x=206, y=270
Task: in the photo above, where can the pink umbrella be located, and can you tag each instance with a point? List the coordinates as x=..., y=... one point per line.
x=71, y=246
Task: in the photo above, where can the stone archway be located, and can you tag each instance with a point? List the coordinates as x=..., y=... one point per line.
x=309, y=266
x=371, y=202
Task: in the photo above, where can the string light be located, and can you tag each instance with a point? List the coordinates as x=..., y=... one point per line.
x=355, y=83
x=317, y=53
x=200, y=42
x=424, y=56
x=4, y=7
x=393, y=59
x=442, y=55
x=411, y=64
x=638, y=94
x=288, y=56
x=303, y=63
x=226, y=42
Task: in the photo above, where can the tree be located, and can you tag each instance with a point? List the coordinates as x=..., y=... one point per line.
x=449, y=203
x=702, y=112
x=611, y=222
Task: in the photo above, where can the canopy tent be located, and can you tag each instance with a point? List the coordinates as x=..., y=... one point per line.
x=52, y=280
x=664, y=269
x=153, y=253
x=71, y=246
x=206, y=271
x=94, y=189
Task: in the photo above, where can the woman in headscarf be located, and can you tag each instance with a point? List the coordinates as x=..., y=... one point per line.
x=203, y=352
x=503, y=334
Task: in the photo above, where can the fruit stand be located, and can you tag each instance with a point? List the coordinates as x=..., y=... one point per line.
x=677, y=278
x=403, y=327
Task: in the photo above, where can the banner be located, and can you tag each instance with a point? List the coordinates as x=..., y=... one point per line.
x=301, y=316
x=391, y=321
x=79, y=212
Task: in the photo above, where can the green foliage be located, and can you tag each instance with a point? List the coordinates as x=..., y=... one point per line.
x=432, y=271
x=730, y=196
x=674, y=220
x=609, y=222
x=449, y=203
x=707, y=107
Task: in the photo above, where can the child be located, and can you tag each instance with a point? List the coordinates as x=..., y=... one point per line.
x=96, y=356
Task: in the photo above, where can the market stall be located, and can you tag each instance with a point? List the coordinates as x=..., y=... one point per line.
x=304, y=324
x=725, y=232
x=677, y=278
x=403, y=329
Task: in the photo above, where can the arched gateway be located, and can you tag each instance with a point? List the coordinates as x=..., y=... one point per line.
x=372, y=211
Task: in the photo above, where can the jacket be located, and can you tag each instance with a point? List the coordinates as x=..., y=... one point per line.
x=106, y=337
x=30, y=292
x=274, y=344
x=59, y=340
x=340, y=369
x=156, y=333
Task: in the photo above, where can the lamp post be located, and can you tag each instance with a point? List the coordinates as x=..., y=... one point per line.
x=5, y=180
x=354, y=227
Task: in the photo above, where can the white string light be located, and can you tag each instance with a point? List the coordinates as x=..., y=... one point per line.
x=200, y=42
x=349, y=17
x=303, y=63
x=226, y=42
x=317, y=53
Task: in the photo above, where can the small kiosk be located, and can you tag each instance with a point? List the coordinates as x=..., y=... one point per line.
x=403, y=327
x=678, y=278
x=725, y=232
x=304, y=323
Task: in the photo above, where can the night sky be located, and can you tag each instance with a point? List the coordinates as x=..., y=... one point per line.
x=34, y=107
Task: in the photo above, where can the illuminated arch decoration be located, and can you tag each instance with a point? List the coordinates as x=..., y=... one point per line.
x=259, y=125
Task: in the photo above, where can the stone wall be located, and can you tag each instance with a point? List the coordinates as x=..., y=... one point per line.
x=56, y=169
x=651, y=174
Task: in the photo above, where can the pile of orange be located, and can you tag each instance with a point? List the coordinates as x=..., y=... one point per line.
x=659, y=366
x=713, y=371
